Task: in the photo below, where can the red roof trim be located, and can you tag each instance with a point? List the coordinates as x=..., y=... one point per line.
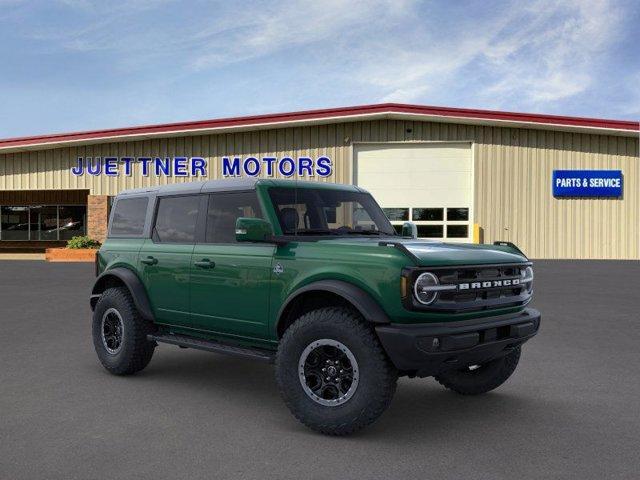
x=309, y=115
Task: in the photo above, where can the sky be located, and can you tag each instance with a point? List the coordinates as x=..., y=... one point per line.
x=73, y=65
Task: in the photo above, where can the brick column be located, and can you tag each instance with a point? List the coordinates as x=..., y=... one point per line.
x=97, y=216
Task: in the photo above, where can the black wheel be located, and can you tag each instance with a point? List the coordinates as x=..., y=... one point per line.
x=333, y=373
x=120, y=333
x=477, y=379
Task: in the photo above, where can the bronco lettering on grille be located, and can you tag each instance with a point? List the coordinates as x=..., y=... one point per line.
x=507, y=282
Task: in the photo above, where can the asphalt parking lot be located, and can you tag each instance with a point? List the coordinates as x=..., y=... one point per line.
x=570, y=411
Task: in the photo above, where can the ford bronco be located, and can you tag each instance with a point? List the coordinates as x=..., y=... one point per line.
x=314, y=278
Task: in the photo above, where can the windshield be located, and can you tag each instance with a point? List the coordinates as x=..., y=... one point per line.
x=317, y=211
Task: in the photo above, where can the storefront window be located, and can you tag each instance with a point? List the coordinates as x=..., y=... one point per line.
x=15, y=223
x=43, y=222
x=71, y=221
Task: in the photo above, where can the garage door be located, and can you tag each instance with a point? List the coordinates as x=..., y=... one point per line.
x=428, y=184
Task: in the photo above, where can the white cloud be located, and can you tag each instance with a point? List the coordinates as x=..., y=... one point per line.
x=554, y=55
x=511, y=55
x=276, y=26
x=532, y=56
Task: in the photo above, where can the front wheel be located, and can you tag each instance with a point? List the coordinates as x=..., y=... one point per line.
x=477, y=379
x=332, y=372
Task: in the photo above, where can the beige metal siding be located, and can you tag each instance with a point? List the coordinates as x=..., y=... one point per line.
x=512, y=201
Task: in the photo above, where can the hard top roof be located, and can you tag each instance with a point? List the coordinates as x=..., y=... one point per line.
x=231, y=184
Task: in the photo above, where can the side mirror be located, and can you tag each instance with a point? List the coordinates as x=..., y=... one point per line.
x=253, y=230
x=409, y=229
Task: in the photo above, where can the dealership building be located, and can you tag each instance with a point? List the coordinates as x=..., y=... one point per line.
x=558, y=187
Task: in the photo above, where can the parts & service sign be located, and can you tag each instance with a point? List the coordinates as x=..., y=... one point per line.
x=587, y=183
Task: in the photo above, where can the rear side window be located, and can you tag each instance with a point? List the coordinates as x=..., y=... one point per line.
x=224, y=210
x=176, y=219
x=128, y=217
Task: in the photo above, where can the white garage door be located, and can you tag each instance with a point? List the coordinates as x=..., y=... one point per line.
x=428, y=184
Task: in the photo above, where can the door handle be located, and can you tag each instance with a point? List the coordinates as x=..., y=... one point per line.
x=149, y=260
x=204, y=263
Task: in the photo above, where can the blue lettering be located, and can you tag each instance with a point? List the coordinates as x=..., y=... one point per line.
x=79, y=170
x=323, y=166
x=247, y=166
x=111, y=166
x=198, y=165
x=145, y=165
x=94, y=167
x=162, y=166
x=292, y=166
x=305, y=164
x=230, y=169
x=180, y=166
x=127, y=165
x=269, y=161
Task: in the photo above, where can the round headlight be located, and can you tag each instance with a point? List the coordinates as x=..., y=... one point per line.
x=422, y=288
x=527, y=278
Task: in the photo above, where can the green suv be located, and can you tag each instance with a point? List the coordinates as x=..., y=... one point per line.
x=313, y=278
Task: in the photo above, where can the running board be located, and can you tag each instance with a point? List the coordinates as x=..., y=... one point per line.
x=212, y=346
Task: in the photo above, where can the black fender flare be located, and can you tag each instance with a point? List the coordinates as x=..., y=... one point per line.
x=370, y=310
x=133, y=284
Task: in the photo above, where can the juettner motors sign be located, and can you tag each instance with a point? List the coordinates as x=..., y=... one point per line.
x=197, y=166
x=587, y=183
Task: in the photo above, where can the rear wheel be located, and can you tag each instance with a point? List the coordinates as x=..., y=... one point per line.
x=477, y=379
x=120, y=333
x=332, y=372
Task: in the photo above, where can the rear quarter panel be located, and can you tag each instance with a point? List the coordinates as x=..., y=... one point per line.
x=119, y=252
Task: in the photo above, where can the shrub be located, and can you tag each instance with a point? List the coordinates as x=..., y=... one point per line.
x=83, y=242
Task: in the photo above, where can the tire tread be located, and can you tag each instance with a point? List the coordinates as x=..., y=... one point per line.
x=140, y=355
x=350, y=322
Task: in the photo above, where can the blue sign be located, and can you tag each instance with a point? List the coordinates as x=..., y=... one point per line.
x=286, y=166
x=160, y=166
x=197, y=166
x=587, y=183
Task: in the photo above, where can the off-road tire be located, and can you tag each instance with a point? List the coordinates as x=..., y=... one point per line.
x=136, y=351
x=377, y=376
x=482, y=380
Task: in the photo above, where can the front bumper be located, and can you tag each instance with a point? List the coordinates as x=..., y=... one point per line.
x=428, y=349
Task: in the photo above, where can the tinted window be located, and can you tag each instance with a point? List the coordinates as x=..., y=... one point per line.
x=458, y=214
x=430, y=231
x=176, y=219
x=72, y=221
x=396, y=214
x=128, y=217
x=457, y=231
x=224, y=210
x=427, y=214
x=15, y=223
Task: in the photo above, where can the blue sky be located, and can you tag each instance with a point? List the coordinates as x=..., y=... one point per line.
x=81, y=64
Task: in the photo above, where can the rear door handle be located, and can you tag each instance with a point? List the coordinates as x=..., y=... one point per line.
x=205, y=263
x=149, y=260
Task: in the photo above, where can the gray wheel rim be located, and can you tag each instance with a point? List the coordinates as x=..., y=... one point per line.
x=328, y=372
x=112, y=331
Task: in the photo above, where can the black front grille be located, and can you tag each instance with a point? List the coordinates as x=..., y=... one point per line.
x=476, y=287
